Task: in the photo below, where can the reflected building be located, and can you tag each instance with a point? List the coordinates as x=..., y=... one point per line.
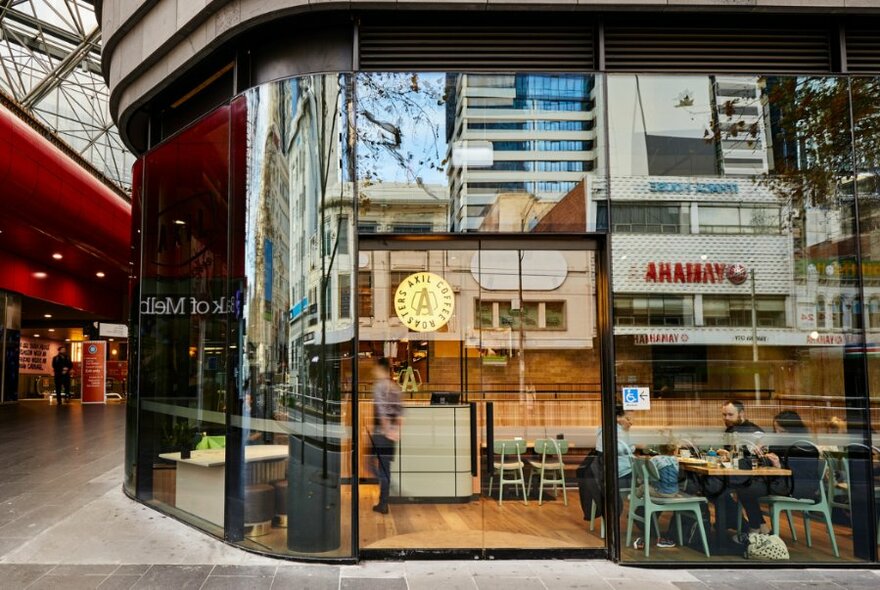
x=541, y=133
x=267, y=251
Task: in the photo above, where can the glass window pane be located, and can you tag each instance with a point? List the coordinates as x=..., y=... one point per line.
x=295, y=379
x=184, y=358
x=767, y=165
x=450, y=152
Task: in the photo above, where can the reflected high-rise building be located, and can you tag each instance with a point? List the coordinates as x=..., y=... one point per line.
x=540, y=129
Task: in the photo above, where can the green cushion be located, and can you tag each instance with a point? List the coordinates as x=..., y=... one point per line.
x=212, y=442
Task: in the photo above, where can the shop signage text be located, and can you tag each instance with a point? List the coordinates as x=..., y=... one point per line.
x=35, y=356
x=186, y=306
x=94, y=372
x=695, y=272
x=721, y=338
x=671, y=338
x=729, y=188
x=424, y=302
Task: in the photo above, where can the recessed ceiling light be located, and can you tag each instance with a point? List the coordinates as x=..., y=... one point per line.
x=36, y=335
x=47, y=315
x=179, y=222
x=111, y=340
x=100, y=275
x=40, y=275
x=67, y=339
x=57, y=256
x=51, y=329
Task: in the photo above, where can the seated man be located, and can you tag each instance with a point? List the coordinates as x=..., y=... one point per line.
x=748, y=489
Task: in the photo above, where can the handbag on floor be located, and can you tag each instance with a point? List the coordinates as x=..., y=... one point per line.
x=763, y=547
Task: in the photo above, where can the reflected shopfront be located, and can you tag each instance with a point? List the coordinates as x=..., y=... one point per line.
x=524, y=251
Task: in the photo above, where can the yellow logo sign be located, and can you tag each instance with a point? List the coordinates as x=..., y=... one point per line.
x=424, y=302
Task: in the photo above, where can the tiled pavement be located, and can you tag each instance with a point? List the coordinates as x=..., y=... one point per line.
x=65, y=524
x=420, y=575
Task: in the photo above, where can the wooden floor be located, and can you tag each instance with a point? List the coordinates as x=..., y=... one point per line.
x=478, y=524
x=483, y=524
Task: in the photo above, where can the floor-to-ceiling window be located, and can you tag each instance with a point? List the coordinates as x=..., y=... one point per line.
x=743, y=397
x=325, y=242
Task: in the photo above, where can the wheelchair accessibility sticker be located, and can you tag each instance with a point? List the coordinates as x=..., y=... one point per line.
x=636, y=398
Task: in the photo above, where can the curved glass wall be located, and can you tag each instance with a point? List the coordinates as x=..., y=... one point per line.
x=296, y=236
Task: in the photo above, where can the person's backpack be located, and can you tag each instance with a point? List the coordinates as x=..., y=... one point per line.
x=763, y=547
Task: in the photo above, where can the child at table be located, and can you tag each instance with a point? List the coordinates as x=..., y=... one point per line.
x=664, y=486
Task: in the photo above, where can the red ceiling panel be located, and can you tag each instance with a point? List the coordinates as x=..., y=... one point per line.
x=48, y=205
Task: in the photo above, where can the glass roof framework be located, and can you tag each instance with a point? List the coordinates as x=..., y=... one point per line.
x=50, y=63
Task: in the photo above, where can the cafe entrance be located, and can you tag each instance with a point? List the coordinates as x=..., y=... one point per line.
x=495, y=346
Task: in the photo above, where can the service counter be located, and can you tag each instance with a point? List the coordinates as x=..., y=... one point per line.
x=435, y=461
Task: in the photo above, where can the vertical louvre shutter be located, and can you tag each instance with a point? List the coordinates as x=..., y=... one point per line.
x=474, y=48
x=863, y=47
x=712, y=48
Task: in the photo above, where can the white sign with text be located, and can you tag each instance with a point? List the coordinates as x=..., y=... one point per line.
x=636, y=398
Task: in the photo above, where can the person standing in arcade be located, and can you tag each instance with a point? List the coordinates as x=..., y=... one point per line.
x=61, y=366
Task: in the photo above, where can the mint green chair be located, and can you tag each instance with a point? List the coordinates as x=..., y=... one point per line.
x=643, y=473
x=837, y=481
x=593, y=509
x=510, y=461
x=550, y=468
x=778, y=504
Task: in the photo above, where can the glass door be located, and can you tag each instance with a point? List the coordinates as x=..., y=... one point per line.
x=493, y=352
x=537, y=345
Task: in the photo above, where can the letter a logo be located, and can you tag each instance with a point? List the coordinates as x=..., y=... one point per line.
x=422, y=303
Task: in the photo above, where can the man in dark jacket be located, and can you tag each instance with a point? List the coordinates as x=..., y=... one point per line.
x=62, y=366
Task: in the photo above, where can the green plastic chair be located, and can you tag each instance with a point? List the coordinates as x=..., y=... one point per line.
x=643, y=473
x=508, y=449
x=550, y=468
x=593, y=509
x=778, y=504
x=838, y=489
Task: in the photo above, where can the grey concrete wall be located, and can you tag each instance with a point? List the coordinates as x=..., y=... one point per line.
x=148, y=43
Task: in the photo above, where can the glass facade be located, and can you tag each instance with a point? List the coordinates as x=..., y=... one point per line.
x=383, y=313
x=772, y=354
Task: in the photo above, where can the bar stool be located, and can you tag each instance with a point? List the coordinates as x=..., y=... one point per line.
x=259, y=508
x=280, y=502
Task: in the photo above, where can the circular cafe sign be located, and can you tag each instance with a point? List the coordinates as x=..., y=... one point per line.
x=424, y=302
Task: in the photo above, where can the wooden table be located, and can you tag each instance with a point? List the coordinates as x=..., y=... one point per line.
x=201, y=479
x=703, y=469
